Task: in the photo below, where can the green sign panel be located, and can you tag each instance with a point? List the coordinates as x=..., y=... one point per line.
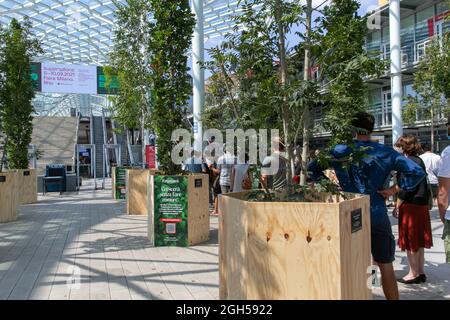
x=36, y=75
x=121, y=188
x=170, y=211
x=105, y=85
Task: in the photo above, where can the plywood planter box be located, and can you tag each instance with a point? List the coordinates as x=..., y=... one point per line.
x=119, y=189
x=27, y=181
x=9, y=196
x=137, y=190
x=178, y=210
x=294, y=250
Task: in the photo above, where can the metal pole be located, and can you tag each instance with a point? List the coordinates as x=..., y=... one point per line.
x=198, y=73
x=104, y=163
x=396, y=69
x=95, y=168
x=77, y=154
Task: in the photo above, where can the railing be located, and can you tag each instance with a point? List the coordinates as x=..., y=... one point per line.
x=411, y=53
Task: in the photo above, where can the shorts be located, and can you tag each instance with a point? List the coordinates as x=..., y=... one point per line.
x=446, y=238
x=225, y=189
x=383, y=243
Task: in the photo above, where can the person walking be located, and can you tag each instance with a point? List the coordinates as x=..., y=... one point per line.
x=431, y=161
x=414, y=225
x=367, y=176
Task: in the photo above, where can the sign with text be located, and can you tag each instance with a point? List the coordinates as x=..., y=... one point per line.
x=120, y=180
x=36, y=78
x=105, y=84
x=170, y=211
x=60, y=78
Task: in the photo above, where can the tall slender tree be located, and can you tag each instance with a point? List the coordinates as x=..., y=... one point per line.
x=345, y=64
x=131, y=107
x=432, y=85
x=169, y=42
x=18, y=46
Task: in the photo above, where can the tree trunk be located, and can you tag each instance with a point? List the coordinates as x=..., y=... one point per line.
x=306, y=112
x=284, y=83
x=143, y=136
x=3, y=159
x=432, y=129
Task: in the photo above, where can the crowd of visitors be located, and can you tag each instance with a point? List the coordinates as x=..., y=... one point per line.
x=410, y=173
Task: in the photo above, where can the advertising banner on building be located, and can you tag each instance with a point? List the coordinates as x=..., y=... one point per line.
x=36, y=77
x=170, y=211
x=106, y=85
x=120, y=183
x=61, y=78
x=75, y=79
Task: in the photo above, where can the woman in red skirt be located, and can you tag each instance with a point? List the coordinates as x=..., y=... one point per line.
x=414, y=225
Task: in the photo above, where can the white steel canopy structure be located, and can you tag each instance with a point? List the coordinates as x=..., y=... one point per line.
x=81, y=31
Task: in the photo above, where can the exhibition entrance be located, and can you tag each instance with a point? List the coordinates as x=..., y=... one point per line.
x=205, y=149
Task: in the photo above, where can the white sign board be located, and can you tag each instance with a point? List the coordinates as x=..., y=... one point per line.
x=60, y=78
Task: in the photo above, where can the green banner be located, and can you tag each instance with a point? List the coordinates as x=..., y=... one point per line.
x=36, y=76
x=105, y=85
x=170, y=211
x=120, y=187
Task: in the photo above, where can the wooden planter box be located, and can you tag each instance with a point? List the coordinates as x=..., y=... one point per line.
x=9, y=196
x=178, y=210
x=27, y=186
x=118, y=183
x=294, y=250
x=137, y=190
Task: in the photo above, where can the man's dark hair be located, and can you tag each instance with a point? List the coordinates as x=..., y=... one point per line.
x=363, y=122
x=426, y=146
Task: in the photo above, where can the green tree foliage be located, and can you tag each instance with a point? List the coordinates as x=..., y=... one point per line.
x=169, y=43
x=131, y=106
x=18, y=46
x=254, y=77
x=432, y=85
x=344, y=65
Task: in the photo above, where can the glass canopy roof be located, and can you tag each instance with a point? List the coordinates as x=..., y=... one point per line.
x=80, y=32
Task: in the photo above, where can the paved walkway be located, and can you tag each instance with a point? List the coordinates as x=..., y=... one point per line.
x=88, y=234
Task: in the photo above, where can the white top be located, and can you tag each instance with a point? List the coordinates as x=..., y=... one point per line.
x=225, y=164
x=239, y=174
x=431, y=161
x=444, y=170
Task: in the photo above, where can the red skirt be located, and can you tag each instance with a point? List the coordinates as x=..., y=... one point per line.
x=414, y=227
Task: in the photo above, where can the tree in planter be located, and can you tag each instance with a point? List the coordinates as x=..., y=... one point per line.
x=259, y=68
x=131, y=107
x=169, y=42
x=432, y=85
x=18, y=46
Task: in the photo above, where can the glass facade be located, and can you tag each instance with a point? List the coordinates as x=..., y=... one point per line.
x=417, y=31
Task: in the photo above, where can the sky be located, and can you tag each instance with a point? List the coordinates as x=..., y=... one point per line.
x=366, y=6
